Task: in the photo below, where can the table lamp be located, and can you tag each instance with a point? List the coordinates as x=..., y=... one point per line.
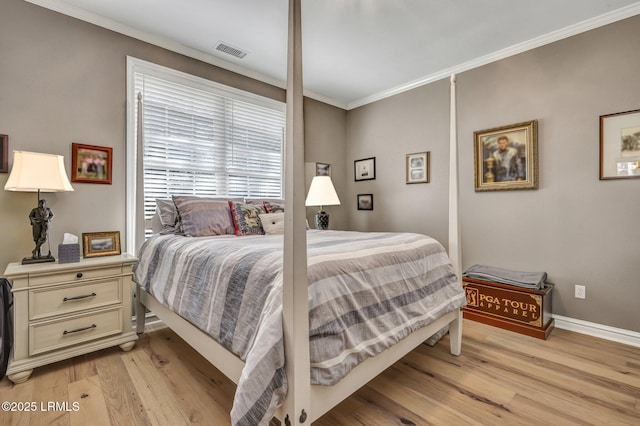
x=35, y=172
x=322, y=193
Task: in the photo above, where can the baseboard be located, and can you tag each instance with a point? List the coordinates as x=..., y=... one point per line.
x=606, y=332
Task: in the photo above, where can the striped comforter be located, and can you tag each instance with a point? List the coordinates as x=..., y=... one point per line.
x=367, y=291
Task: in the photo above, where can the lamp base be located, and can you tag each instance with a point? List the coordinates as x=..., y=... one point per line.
x=41, y=259
x=322, y=220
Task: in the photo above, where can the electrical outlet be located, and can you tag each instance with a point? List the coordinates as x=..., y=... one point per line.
x=581, y=292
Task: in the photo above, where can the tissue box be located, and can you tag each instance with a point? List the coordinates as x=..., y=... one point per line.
x=68, y=253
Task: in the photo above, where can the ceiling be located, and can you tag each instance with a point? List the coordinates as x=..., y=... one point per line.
x=354, y=51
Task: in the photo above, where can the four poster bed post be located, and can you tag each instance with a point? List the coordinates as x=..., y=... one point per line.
x=305, y=402
x=295, y=295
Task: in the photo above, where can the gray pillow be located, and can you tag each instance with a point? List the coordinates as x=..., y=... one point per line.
x=166, y=212
x=200, y=217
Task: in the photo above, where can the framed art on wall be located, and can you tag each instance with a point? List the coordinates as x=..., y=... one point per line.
x=91, y=164
x=365, y=201
x=620, y=145
x=96, y=244
x=4, y=154
x=323, y=169
x=417, y=166
x=506, y=158
x=364, y=169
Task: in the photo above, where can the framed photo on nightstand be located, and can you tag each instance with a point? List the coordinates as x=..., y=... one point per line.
x=96, y=244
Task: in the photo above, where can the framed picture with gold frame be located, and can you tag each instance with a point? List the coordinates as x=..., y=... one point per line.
x=506, y=157
x=95, y=244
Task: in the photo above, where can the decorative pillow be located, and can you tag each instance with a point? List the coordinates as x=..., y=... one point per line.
x=200, y=217
x=254, y=201
x=274, y=207
x=275, y=204
x=272, y=223
x=261, y=201
x=166, y=212
x=246, y=218
x=156, y=225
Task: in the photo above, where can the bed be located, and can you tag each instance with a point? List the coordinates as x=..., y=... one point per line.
x=367, y=292
x=293, y=293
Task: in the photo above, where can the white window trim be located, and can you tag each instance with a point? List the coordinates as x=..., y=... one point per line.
x=134, y=196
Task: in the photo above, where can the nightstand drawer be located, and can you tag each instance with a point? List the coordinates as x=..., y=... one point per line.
x=49, y=335
x=73, y=275
x=49, y=301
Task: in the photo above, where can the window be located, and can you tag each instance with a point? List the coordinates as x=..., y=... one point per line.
x=202, y=138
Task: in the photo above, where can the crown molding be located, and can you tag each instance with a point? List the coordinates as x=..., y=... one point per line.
x=166, y=43
x=589, y=24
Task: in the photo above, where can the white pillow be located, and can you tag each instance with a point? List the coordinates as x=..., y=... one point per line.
x=272, y=223
x=156, y=223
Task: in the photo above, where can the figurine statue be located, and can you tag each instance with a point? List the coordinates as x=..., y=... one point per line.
x=40, y=218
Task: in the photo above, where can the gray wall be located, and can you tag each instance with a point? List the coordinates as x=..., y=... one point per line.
x=325, y=142
x=63, y=81
x=575, y=227
x=414, y=121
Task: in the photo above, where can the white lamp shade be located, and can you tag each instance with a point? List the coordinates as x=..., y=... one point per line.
x=32, y=172
x=322, y=193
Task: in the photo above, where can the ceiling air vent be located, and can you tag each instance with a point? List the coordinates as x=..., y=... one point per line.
x=230, y=50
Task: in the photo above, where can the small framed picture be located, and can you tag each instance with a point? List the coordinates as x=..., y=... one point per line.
x=620, y=145
x=418, y=167
x=323, y=169
x=4, y=154
x=91, y=164
x=506, y=158
x=365, y=201
x=364, y=169
x=96, y=244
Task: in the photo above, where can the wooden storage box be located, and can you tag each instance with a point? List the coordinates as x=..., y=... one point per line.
x=518, y=309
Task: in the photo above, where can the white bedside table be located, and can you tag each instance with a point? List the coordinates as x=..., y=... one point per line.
x=64, y=310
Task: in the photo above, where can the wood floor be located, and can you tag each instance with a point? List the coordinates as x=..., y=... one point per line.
x=501, y=378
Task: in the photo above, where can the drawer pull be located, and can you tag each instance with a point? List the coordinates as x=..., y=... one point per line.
x=79, y=275
x=78, y=330
x=69, y=299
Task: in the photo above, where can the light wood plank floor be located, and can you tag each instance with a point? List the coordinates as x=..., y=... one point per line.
x=501, y=378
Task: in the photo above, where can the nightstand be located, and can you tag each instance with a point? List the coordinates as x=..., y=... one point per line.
x=65, y=310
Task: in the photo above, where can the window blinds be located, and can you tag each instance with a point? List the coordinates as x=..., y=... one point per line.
x=198, y=141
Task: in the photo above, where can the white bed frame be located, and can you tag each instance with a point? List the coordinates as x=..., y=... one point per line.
x=323, y=398
x=305, y=403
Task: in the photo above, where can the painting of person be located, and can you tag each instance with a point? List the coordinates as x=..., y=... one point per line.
x=508, y=164
x=506, y=157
